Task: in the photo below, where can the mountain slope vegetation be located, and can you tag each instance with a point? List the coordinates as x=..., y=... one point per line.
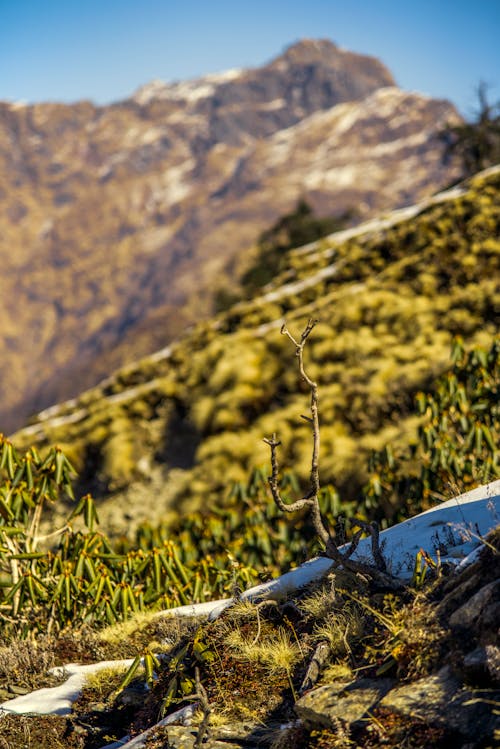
x=171, y=432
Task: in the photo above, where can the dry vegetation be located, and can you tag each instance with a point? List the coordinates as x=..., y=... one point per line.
x=252, y=662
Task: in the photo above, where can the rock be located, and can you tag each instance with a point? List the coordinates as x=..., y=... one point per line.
x=177, y=736
x=182, y=737
x=483, y=607
x=15, y=689
x=134, y=694
x=348, y=701
x=483, y=665
x=441, y=700
x=456, y=589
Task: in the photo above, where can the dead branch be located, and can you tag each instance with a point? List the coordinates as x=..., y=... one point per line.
x=377, y=570
x=316, y=664
x=203, y=732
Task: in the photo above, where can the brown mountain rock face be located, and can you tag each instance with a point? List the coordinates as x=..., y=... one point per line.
x=117, y=222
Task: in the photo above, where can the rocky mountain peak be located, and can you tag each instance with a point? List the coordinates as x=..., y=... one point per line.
x=346, y=67
x=307, y=51
x=327, y=74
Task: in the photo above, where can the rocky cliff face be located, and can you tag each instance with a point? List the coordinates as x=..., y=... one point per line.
x=117, y=222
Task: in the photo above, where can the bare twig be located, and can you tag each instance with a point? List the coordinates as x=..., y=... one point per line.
x=320, y=656
x=204, y=728
x=258, y=606
x=314, y=420
x=378, y=570
x=372, y=529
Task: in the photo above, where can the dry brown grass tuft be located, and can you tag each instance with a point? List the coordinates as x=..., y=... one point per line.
x=26, y=662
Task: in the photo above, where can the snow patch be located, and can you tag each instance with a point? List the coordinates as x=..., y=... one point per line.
x=224, y=76
x=341, y=176
x=190, y=91
x=136, y=136
x=58, y=700
x=175, y=188
x=271, y=106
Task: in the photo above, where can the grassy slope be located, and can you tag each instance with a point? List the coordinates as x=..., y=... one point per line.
x=173, y=430
x=252, y=661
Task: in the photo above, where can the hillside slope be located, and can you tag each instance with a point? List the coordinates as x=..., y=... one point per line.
x=117, y=222
x=171, y=432
x=317, y=658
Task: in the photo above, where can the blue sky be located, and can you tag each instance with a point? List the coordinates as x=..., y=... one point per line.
x=66, y=50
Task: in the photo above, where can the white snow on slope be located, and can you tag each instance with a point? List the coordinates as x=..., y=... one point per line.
x=189, y=91
x=58, y=700
x=454, y=529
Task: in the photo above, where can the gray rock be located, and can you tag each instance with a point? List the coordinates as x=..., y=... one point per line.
x=182, y=737
x=348, y=701
x=15, y=689
x=135, y=694
x=482, y=607
x=483, y=664
x=441, y=700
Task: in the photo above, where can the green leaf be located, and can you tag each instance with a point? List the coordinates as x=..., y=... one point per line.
x=489, y=439
x=28, y=555
x=5, y=511
x=130, y=673
x=29, y=473
x=59, y=466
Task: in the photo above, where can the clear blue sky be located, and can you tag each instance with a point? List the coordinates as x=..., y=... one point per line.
x=65, y=50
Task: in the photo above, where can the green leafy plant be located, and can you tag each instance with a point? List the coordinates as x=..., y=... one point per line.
x=458, y=438
x=75, y=575
x=249, y=527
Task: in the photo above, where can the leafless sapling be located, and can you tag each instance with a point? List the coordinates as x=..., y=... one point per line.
x=342, y=557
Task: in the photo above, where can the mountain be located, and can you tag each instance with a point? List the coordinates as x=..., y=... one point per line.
x=171, y=432
x=118, y=222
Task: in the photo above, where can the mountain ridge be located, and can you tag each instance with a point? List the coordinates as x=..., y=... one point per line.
x=119, y=221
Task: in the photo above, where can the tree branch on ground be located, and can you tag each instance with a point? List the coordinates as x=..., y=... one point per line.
x=203, y=733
